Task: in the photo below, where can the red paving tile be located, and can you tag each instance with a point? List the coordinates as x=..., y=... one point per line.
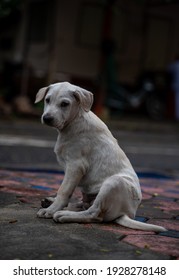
x=166, y=245
x=166, y=223
x=169, y=206
x=155, y=187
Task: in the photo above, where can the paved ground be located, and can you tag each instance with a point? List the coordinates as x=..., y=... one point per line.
x=29, y=172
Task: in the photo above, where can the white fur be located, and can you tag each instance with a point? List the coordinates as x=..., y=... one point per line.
x=92, y=160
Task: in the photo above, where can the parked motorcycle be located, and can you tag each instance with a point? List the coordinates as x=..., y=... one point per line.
x=148, y=94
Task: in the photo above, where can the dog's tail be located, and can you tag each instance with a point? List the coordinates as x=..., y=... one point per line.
x=128, y=222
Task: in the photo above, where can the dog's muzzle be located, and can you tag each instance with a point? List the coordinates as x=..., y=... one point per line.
x=47, y=119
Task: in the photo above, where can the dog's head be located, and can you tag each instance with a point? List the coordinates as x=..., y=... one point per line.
x=63, y=102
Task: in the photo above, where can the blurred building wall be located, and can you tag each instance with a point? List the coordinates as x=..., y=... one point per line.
x=61, y=40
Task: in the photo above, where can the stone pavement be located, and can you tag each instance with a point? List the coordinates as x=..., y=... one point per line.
x=24, y=236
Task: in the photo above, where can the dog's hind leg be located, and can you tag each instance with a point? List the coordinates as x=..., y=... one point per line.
x=114, y=199
x=91, y=215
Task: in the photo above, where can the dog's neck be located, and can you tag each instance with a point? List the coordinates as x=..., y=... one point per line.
x=84, y=122
x=76, y=124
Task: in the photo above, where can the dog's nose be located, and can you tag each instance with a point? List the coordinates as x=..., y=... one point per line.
x=47, y=119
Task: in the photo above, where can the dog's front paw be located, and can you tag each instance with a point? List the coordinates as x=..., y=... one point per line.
x=61, y=216
x=44, y=213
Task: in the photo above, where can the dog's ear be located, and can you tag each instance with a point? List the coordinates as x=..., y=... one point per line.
x=41, y=94
x=84, y=97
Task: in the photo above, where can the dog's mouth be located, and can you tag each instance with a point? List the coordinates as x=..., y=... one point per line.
x=50, y=121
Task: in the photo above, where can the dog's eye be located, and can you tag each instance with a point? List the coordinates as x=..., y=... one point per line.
x=47, y=100
x=64, y=104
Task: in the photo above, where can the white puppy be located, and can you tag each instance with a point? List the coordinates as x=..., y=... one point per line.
x=91, y=159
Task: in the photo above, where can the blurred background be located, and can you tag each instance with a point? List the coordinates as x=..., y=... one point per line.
x=124, y=51
x=121, y=50
x=127, y=53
